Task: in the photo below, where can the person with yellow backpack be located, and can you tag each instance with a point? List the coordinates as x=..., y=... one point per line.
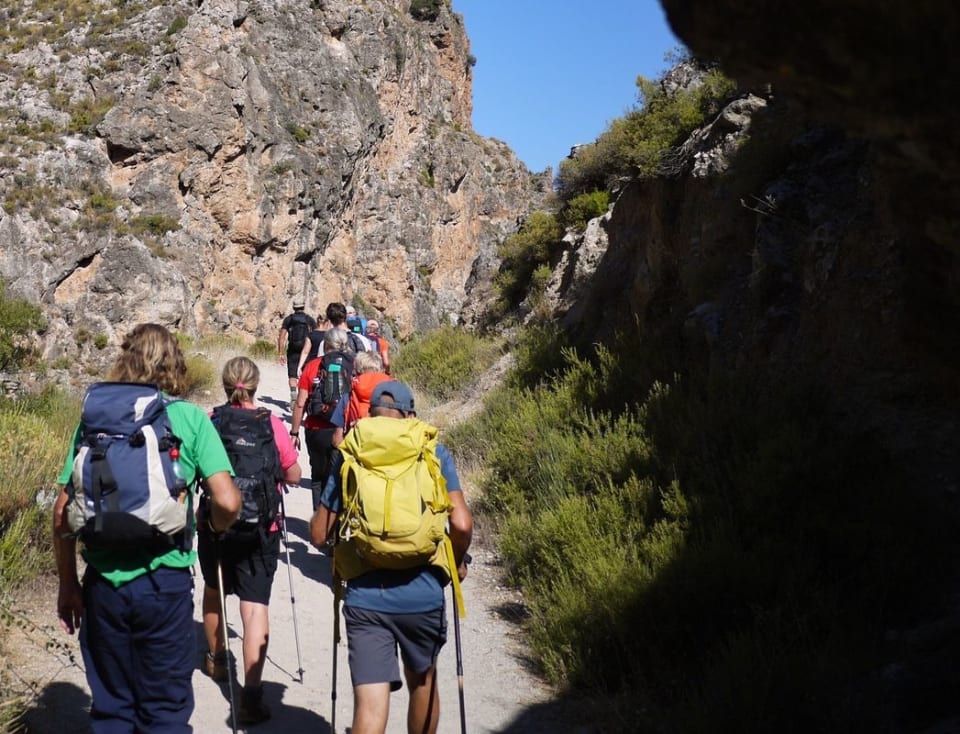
x=403, y=529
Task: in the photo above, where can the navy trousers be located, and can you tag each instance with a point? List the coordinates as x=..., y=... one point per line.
x=138, y=647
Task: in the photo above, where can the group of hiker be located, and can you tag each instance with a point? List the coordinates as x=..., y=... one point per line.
x=386, y=495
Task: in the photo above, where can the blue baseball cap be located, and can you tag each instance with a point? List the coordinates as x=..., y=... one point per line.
x=401, y=394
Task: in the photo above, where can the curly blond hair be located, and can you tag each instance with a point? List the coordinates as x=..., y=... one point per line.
x=150, y=354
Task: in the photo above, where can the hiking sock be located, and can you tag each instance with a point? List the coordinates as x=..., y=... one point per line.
x=252, y=708
x=216, y=665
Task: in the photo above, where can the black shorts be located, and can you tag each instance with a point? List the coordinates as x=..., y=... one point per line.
x=373, y=638
x=248, y=565
x=293, y=361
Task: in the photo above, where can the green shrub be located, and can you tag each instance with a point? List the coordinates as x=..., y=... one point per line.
x=300, y=134
x=522, y=253
x=201, y=374
x=444, y=362
x=262, y=349
x=19, y=319
x=86, y=114
x=637, y=142
x=584, y=207
x=100, y=341
x=719, y=541
x=34, y=435
x=176, y=25
x=155, y=224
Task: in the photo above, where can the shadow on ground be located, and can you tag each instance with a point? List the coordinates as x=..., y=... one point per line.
x=284, y=405
x=61, y=706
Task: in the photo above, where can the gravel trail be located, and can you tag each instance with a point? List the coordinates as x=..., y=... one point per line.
x=500, y=694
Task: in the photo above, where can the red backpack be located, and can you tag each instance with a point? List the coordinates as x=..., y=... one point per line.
x=361, y=390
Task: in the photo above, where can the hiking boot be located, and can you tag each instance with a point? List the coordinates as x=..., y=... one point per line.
x=252, y=708
x=216, y=666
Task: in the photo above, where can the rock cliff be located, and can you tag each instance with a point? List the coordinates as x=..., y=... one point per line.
x=200, y=163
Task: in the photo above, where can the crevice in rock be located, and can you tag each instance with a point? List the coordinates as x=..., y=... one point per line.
x=119, y=154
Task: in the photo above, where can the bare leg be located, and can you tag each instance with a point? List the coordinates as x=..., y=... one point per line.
x=371, y=706
x=212, y=629
x=423, y=715
x=256, y=635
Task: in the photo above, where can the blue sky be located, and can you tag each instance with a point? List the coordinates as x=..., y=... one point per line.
x=552, y=73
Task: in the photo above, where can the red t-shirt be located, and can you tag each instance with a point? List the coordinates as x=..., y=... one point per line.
x=310, y=370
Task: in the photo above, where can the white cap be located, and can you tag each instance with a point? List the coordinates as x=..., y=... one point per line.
x=351, y=309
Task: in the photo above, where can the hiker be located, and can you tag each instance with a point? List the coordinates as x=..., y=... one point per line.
x=313, y=347
x=404, y=606
x=134, y=609
x=380, y=345
x=337, y=316
x=311, y=411
x=367, y=374
x=293, y=335
x=249, y=551
x=355, y=322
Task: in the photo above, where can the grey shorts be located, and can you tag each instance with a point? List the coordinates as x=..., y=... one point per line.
x=373, y=638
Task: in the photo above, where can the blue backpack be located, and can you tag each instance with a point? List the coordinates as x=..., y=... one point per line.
x=126, y=491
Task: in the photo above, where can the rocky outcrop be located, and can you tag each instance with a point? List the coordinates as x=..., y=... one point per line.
x=200, y=163
x=808, y=235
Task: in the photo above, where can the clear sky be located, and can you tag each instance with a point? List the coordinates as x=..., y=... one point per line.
x=553, y=73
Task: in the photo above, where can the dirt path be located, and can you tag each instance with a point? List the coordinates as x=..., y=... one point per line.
x=500, y=695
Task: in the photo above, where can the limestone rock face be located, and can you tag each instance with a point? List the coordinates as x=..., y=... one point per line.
x=200, y=163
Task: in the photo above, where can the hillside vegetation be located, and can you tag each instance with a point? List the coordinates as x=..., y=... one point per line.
x=704, y=545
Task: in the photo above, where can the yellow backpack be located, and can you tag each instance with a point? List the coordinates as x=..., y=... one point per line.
x=395, y=502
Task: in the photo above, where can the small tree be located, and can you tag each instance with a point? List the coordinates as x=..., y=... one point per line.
x=18, y=319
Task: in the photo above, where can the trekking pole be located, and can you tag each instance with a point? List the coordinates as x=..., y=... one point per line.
x=336, y=643
x=456, y=637
x=226, y=639
x=293, y=601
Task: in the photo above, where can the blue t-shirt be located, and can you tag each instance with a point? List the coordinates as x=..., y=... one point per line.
x=396, y=592
x=339, y=415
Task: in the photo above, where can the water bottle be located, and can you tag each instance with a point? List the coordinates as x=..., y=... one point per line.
x=179, y=483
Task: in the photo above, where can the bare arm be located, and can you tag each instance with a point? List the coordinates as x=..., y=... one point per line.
x=281, y=346
x=224, y=501
x=304, y=353
x=337, y=437
x=292, y=474
x=70, y=595
x=321, y=525
x=298, y=407
x=461, y=531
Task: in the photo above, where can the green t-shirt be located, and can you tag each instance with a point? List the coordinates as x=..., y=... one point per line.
x=201, y=453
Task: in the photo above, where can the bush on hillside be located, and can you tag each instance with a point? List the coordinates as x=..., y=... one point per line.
x=636, y=143
x=444, y=362
x=19, y=319
x=262, y=349
x=584, y=207
x=716, y=540
x=538, y=240
x=35, y=432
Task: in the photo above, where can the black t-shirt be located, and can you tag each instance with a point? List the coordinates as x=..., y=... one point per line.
x=298, y=325
x=316, y=343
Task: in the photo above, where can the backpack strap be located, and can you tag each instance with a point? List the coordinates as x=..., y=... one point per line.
x=433, y=466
